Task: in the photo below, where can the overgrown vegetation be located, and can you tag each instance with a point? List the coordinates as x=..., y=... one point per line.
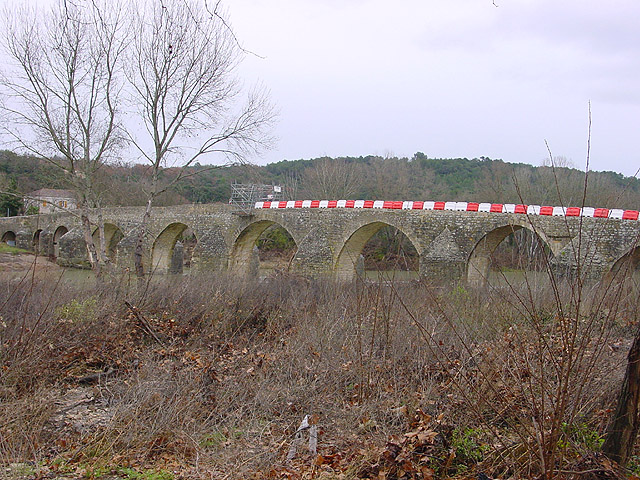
x=209, y=377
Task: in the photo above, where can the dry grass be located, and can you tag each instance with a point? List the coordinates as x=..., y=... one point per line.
x=237, y=364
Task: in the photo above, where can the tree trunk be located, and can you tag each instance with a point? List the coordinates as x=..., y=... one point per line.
x=623, y=430
x=139, y=250
x=88, y=240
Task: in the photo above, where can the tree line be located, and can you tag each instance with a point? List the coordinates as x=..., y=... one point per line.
x=366, y=177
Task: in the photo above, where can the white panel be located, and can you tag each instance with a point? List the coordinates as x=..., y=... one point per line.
x=306, y=204
x=341, y=203
x=509, y=208
x=291, y=204
x=484, y=207
x=533, y=209
x=461, y=206
x=358, y=204
x=616, y=213
x=559, y=211
x=407, y=205
x=323, y=204
x=588, y=211
x=428, y=205
x=259, y=205
x=378, y=204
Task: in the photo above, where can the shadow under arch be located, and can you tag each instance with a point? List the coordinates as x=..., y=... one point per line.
x=626, y=265
x=346, y=264
x=36, y=241
x=162, y=253
x=55, y=244
x=9, y=237
x=112, y=235
x=243, y=260
x=478, y=264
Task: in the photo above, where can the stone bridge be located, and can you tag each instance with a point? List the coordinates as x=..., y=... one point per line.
x=452, y=243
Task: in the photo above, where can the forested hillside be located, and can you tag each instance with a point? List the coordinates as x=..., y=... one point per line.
x=370, y=177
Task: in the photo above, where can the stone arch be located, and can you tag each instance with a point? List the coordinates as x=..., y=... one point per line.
x=627, y=263
x=478, y=263
x=162, y=253
x=59, y=232
x=349, y=255
x=243, y=259
x=112, y=235
x=36, y=241
x=9, y=237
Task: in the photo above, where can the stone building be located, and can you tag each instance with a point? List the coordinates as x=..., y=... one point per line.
x=49, y=200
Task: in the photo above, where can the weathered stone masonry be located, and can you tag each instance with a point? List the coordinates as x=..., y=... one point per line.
x=451, y=244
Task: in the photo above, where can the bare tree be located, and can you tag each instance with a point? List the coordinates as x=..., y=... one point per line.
x=184, y=59
x=62, y=89
x=331, y=179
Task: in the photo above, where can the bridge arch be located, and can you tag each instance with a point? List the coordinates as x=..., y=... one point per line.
x=164, y=248
x=349, y=256
x=36, y=241
x=9, y=237
x=112, y=235
x=478, y=263
x=626, y=264
x=55, y=244
x=243, y=259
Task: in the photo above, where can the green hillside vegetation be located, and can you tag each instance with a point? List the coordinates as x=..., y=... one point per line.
x=369, y=177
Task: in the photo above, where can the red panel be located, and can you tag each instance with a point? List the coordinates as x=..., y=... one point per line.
x=472, y=206
x=368, y=204
x=520, y=209
x=387, y=204
x=418, y=205
x=282, y=205
x=601, y=213
x=266, y=205
x=332, y=204
x=573, y=212
x=630, y=215
x=438, y=206
x=315, y=203
x=298, y=204
x=496, y=208
x=397, y=205
x=349, y=203
x=546, y=210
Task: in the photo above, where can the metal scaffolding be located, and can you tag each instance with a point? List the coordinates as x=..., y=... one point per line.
x=245, y=195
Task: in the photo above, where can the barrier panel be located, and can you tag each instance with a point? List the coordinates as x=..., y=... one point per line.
x=429, y=206
x=496, y=207
x=378, y=204
x=449, y=205
x=332, y=204
x=472, y=206
x=588, y=211
x=368, y=204
x=630, y=215
x=341, y=203
x=559, y=211
x=349, y=204
x=314, y=204
x=484, y=207
x=601, y=213
x=438, y=205
x=573, y=212
x=259, y=205
x=417, y=205
x=358, y=204
x=615, y=213
x=520, y=209
x=545, y=210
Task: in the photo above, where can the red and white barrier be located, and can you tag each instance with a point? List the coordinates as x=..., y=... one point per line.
x=545, y=210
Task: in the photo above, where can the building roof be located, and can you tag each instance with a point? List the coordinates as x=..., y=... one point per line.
x=52, y=192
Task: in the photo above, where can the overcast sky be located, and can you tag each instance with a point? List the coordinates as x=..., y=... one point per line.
x=449, y=78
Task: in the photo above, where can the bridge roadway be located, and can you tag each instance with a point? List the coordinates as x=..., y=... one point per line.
x=454, y=240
